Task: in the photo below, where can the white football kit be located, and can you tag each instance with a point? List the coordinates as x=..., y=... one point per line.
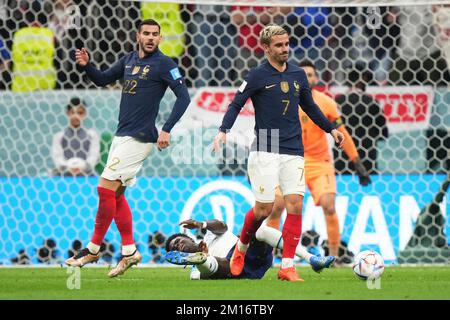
x=220, y=245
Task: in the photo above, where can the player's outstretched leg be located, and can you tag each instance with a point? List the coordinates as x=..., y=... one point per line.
x=185, y=258
x=125, y=263
x=292, y=230
x=82, y=258
x=251, y=224
x=319, y=263
x=274, y=238
x=124, y=222
x=103, y=219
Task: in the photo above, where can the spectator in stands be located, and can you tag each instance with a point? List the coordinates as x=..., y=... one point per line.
x=22, y=258
x=311, y=29
x=375, y=36
x=48, y=252
x=65, y=20
x=249, y=22
x=75, y=150
x=338, y=44
x=33, y=51
x=364, y=120
x=114, y=31
x=419, y=59
x=77, y=245
x=212, y=45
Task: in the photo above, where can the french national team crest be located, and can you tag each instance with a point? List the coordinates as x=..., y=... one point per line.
x=135, y=70
x=284, y=86
x=297, y=88
x=145, y=72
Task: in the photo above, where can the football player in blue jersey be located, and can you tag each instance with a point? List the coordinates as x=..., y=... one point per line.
x=146, y=74
x=277, y=88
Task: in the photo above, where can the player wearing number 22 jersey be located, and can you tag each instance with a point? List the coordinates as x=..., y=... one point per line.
x=146, y=74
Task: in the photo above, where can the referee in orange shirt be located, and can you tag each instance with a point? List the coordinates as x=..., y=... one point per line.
x=319, y=168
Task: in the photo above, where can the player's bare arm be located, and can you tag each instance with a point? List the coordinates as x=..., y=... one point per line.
x=215, y=226
x=219, y=140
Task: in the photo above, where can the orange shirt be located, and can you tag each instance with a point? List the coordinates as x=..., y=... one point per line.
x=315, y=141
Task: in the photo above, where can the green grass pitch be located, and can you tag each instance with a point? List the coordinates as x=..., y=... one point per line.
x=174, y=283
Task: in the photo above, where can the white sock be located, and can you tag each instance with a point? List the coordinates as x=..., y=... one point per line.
x=195, y=274
x=93, y=248
x=301, y=252
x=274, y=238
x=128, y=250
x=208, y=267
x=287, y=263
x=242, y=247
x=270, y=236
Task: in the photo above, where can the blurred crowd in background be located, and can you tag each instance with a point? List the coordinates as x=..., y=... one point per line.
x=216, y=45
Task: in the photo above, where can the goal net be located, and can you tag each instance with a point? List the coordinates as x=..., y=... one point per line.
x=396, y=52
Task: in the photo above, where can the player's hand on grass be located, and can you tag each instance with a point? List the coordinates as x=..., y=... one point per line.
x=338, y=137
x=364, y=178
x=81, y=57
x=163, y=140
x=191, y=224
x=220, y=139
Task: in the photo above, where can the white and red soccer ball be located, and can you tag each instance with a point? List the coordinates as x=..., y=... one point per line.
x=368, y=265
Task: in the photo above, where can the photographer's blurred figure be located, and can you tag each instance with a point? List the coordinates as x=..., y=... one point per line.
x=75, y=150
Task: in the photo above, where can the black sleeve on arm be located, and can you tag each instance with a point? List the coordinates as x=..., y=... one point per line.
x=311, y=109
x=245, y=91
x=216, y=226
x=172, y=77
x=103, y=78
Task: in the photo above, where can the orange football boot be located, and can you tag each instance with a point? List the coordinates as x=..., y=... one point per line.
x=237, y=262
x=289, y=274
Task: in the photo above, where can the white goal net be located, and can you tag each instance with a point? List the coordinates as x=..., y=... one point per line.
x=397, y=52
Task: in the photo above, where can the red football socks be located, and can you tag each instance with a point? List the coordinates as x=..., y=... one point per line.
x=292, y=230
x=251, y=225
x=105, y=214
x=124, y=220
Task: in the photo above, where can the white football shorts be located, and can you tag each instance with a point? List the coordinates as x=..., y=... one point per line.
x=125, y=159
x=267, y=171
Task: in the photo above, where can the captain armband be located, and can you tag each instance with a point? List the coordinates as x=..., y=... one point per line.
x=338, y=123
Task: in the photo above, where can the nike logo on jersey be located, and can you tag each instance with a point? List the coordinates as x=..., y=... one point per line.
x=270, y=86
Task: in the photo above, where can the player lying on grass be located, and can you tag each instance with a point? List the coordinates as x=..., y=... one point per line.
x=212, y=255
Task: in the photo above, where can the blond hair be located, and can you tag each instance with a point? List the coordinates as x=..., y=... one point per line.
x=269, y=31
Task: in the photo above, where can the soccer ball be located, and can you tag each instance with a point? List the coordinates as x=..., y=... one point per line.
x=368, y=265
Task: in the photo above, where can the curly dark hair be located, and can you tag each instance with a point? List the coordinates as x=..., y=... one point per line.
x=173, y=237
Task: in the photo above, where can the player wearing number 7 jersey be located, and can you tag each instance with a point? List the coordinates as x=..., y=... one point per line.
x=146, y=73
x=276, y=88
